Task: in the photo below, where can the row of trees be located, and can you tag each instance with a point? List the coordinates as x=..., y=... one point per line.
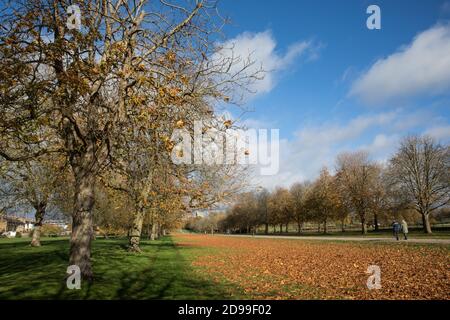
x=416, y=178
x=87, y=114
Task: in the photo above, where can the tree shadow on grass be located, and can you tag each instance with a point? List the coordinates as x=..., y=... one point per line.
x=31, y=273
x=160, y=272
x=169, y=276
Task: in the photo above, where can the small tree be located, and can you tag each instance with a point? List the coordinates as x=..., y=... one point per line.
x=34, y=184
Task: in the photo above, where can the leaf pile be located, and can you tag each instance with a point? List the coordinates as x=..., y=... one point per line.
x=291, y=269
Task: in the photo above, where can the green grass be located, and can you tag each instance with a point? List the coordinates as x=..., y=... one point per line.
x=161, y=271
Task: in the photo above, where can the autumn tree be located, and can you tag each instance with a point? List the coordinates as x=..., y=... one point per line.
x=280, y=207
x=35, y=185
x=357, y=175
x=262, y=199
x=299, y=195
x=111, y=214
x=74, y=90
x=421, y=168
x=322, y=200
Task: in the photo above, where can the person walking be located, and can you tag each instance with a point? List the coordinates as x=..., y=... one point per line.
x=396, y=229
x=405, y=229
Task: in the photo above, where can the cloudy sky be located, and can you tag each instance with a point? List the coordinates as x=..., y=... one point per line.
x=333, y=85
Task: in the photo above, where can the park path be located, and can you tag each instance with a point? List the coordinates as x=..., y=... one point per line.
x=356, y=239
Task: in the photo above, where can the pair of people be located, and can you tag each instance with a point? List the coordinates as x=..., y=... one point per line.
x=400, y=227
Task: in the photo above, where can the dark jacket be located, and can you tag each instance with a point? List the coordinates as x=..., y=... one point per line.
x=396, y=227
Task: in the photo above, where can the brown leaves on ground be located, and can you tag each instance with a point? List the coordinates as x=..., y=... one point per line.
x=292, y=269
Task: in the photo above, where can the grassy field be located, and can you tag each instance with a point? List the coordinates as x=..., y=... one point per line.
x=162, y=271
x=189, y=266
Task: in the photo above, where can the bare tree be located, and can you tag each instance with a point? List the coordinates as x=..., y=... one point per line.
x=421, y=168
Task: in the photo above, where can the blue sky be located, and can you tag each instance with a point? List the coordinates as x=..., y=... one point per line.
x=334, y=85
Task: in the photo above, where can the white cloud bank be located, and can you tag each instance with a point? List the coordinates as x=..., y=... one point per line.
x=421, y=68
x=316, y=146
x=261, y=48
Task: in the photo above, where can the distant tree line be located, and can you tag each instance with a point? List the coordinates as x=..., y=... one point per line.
x=416, y=179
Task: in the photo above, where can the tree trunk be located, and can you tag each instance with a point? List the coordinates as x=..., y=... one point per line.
x=343, y=225
x=158, y=230
x=299, y=227
x=426, y=223
x=153, y=233
x=39, y=217
x=82, y=228
x=324, y=227
x=281, y=228
x=266, y=231
x=136, y=231
x=363, y=226
x=287, y=227
x=375, y=221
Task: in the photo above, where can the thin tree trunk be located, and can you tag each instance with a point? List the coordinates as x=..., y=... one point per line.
x=153, y=232
x=299, y=227
x=136, y=231
x=426, y=223
x=39, y=217
x=343, y=225
x=324, y=227
x=287, y=227
x=375, y=221
x=266, y=231
x=363, y=226
x=158, y=232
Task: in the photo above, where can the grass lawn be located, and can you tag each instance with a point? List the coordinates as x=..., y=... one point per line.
x=162, y=271
x=190, y=267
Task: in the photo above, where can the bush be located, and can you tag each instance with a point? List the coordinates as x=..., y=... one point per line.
x=48, y=230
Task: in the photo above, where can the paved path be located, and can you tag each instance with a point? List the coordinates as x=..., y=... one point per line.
x=364, y=239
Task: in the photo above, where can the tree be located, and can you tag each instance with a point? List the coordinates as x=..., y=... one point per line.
x=357, y=175
x=263, y=210
x=280, y=207
x=75, y=92
x=299, y=195
x=322, y=198
x=36, y=185
x=421, y=167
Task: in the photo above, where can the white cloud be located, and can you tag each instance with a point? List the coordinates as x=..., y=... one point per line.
x=261, y=48
x=421, y=68
x=441, y=133
x=316, y=146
